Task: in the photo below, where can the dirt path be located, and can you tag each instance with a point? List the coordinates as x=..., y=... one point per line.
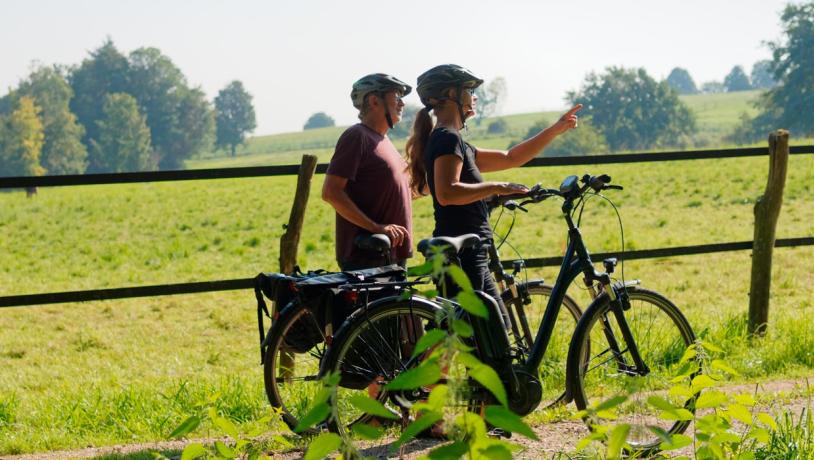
x=554, y=437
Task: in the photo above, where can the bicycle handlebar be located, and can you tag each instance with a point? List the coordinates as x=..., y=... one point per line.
x=569, y=190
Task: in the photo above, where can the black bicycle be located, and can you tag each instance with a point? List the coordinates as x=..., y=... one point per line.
x=295, y=345
x=628, y=339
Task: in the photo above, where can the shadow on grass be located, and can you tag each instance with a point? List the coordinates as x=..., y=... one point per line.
x=148, y=454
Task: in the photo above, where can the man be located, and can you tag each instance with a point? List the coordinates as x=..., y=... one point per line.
x=367, y=182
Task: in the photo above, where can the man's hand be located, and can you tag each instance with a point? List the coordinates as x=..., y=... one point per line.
x=397, y=234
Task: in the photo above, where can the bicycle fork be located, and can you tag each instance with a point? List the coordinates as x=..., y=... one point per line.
x=618, y=305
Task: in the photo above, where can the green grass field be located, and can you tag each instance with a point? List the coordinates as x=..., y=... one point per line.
x=126, y=371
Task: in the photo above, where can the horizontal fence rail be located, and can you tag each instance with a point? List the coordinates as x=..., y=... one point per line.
x=285, y=170
x=247, y=283
x=288, y=170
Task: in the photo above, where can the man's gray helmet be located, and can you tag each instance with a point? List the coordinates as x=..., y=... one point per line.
x=378, y=83
x=433, y=83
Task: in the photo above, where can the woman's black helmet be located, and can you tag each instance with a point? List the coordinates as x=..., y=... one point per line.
x=433, y=83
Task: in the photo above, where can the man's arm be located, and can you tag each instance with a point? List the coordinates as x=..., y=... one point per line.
x=333, y=192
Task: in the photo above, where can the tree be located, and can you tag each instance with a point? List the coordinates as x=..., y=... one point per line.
x=21, y=140
x=123, y=142
x=234, y=116
x=681, y=81
x=491, y=98
x=790, y=103
x=737, y=80
x=585, y=140
x=762, y=77
x=498, y=126
x=633, y=111
x=712, y=87
x=63, y=151
x=105, y=72
x=180, y=118
x=318, y=120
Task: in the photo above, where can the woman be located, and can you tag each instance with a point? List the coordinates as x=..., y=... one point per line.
x=451, y=168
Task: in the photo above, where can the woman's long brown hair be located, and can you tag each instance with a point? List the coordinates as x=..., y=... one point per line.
x=422, y=127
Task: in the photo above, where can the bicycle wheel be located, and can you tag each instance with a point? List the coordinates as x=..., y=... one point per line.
x=296, y=345
x=373, y=347
x=553, y=366
x=661, y=334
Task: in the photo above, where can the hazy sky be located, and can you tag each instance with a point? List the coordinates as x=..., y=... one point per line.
x=301, y=57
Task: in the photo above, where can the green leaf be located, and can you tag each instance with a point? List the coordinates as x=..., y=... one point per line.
x=420, y=270
x=438, y=397
x=371, y=406
x=722, y=366
x=193, y=451
x=422, y=423
x=679, y=414
x=661, y=403
x=760, y=434
x=681, y=390
x=611, y=403
x=472, y=304
x=367, y=432
x=497, y=452
x=502, y=417
x=317, y=414
x=677, y=441
x=740, y=413
x=616, y=440
x=425, y=374
x=702, y=381
x=322, y=445
x=468, y=360
x=427, y=340
x=186, y=427
x=767, y=420
x=487, y=377
x=710, y=347
x=689, y=354
x=745, y=399
x=711, y=398
x=226, y=426
x=460, y=278
x=452, y=451
x=462, y=328
x=224, y=450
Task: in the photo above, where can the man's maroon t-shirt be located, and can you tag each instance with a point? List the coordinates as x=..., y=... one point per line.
x=377, y=183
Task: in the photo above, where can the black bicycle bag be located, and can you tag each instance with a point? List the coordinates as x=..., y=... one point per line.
x=331, y=297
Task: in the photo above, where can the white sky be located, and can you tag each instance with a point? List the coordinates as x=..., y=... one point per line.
x=301, y=57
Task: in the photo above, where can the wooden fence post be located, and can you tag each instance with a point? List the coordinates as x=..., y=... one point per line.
x=767, y=211
x=291, y=238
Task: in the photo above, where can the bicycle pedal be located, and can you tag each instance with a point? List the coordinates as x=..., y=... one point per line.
x=499, y=433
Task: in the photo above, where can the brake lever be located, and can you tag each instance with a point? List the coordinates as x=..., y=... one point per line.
x=613, y=187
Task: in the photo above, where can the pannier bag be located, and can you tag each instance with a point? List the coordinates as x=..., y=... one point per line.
x=319, y=291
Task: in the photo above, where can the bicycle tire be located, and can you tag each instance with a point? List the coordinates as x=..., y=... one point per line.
x=662, y=334
x=552, y=369
x=291, y=375
x=362, y=352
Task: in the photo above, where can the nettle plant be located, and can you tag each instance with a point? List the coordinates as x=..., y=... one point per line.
x=448, y=369
x=251, y=445
x=724, y=426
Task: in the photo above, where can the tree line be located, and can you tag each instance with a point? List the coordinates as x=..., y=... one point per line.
x=115, y=113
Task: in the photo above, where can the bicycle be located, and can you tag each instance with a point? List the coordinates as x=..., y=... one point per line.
x=627, y=337
x=291, y=372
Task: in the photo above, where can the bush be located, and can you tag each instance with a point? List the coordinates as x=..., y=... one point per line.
x=498, y=126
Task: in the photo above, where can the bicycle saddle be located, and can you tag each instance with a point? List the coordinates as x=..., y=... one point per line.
x=375, y=242
x=456, y=243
